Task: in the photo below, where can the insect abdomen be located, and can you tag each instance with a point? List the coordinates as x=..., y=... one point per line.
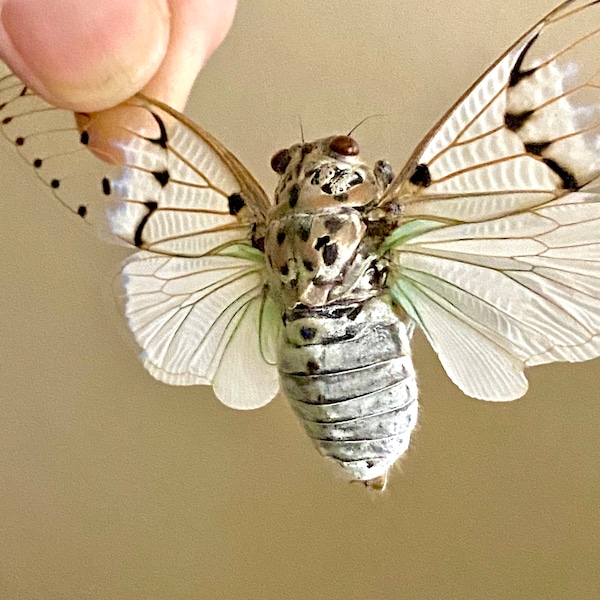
x=348, y=374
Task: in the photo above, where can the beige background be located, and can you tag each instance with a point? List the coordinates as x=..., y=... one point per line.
x=114, y=486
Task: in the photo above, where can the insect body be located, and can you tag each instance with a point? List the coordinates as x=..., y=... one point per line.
x=344, y=360
x=488, y=240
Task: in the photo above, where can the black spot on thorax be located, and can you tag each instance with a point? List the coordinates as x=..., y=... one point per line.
x=330, y=254
x=322, y=241
x=294, y=193
x=304, y=228
x=333, y=224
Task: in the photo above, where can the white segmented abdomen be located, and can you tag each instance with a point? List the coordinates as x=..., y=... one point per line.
x=348, y=374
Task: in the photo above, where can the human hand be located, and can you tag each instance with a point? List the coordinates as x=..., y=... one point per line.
x=91, y=55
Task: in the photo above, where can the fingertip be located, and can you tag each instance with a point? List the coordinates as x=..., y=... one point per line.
x=82, y=55
x=197, y=28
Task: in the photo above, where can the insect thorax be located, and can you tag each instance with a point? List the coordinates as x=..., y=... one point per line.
x=322, y=258
x=321, y=243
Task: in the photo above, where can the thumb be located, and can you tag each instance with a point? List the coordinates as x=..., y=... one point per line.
x=84, y=55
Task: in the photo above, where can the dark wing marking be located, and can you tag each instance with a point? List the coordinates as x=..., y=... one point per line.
x=497, y=253
x=171, y=194
x=526, y=132
x=195, y=295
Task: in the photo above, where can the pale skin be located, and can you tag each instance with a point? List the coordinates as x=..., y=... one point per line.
x=90, y=56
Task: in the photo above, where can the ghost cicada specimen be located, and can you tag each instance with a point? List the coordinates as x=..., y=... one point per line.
x=488, y=240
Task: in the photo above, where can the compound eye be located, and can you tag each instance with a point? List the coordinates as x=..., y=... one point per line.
x=280, y=161
x=344, y=145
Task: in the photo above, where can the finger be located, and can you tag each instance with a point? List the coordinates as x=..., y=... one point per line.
x=81, y=54
x=197, y=29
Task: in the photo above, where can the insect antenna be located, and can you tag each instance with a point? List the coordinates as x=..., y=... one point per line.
x=363, y=121
x=301, y=128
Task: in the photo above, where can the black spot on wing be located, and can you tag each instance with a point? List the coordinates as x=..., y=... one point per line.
x=84, y=138
x=20, y=141
x=569, y=181
x=82, y=211
x=514, y=121
x=106, y=190
x=138, y=239
x=537, y=148
x=163, y=138
x=308, y=265
x=516, y=74
x=162, y=177
x=421, y=177
x=236, y=203
x=37, y=163
x=55, y=184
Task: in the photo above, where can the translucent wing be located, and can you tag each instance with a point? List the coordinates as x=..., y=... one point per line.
x=497, y=256
x=194, y=298
x=202, y=321
x=179, y=191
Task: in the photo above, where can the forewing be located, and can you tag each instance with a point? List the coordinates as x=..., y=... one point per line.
x=526, y=132
x=177, y=191
x=497, y=256
x=195, y=293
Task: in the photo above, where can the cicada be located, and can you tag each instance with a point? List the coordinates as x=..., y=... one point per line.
x=488, y=240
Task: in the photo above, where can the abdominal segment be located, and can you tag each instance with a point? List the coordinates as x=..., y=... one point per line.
x=347, y=372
